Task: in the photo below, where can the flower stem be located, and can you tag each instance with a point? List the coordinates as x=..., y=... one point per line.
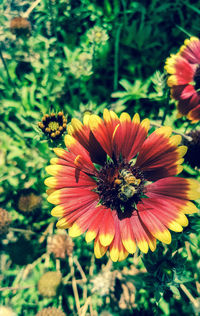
x=116, y=58
x=74, y=285
x=166, y=108
x=30, y=9
x=189, y=295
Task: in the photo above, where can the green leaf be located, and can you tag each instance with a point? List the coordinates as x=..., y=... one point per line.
x=15, y=128
x=175, y=290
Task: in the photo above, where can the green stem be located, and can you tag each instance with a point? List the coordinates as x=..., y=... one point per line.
x=116, y=58
x=166, y=108
x=71, y=92
x=124, y=11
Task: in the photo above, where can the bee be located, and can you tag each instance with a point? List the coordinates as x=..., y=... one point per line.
x=128, y=184
x=126, y=192
x=129, y=178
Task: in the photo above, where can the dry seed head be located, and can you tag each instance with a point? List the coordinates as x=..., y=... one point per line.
x=28, y=201
x=50, y=311
x=20, y=26
x=103, y=283
x=49, y=283
x=5, y=221
x=60, y=245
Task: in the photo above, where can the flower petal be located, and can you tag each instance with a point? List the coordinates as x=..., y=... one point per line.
x=185, y=106
x=99, y=250
x=64, y=195
x=82, y=220
x=129, y=136
x=117, y=250
x=169, y=214
x=187, y=189
x=159, y=156
x=84, y=136
x=182, y=71
x=154, y=226
x=103, y=130
x=107, y=228
x=188, y=92
x=127, y=236
x=141, y=234
x=67, y=177
x=79, y=151
x=194, y=114
x=191, y=50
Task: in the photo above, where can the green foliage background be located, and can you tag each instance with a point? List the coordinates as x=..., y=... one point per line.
x=60, y=67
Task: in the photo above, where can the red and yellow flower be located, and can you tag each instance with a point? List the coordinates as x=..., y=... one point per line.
x=118, y=185
x=184, y=79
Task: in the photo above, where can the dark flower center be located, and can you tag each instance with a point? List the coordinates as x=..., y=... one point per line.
x=120, y=187
x=197, y=79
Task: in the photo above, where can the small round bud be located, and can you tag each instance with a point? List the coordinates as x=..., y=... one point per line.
x=47, y=130
x=40, y=125
x=49, y=283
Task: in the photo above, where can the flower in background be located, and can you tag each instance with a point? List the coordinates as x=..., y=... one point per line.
x=28, y=201
x=119, y=185
x=97, y=35
x=184, y=79
x=53, y=125
x=20, y=26
x=193, y=154
x=60, y=245
x=81, y=66
x=5, y=221
x=103, y=283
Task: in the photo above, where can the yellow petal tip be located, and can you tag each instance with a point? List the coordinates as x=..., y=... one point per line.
x=75, y=231
x=90, y=235
x=57, y=211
